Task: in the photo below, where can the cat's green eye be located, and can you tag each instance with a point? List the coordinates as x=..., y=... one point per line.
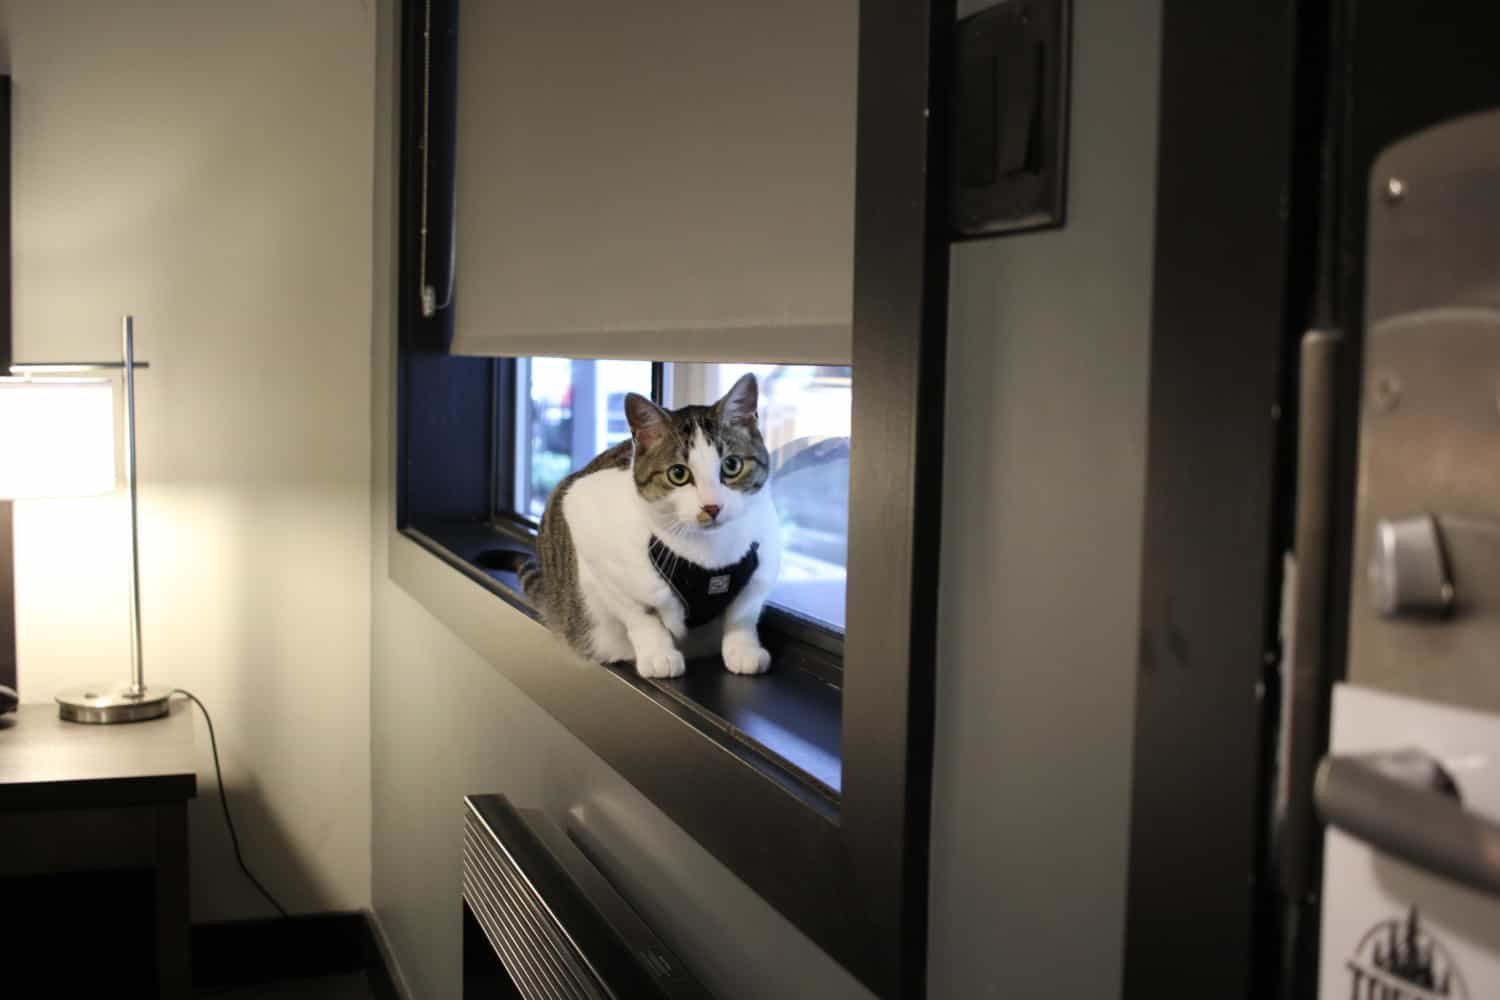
x=732, y=466
x=678, y=475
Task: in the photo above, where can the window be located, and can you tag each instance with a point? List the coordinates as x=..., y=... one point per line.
x=566, y=411
x=804, y=417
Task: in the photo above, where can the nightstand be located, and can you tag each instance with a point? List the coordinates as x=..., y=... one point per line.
x=80, y=802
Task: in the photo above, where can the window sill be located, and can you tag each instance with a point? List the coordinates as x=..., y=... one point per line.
x=786, y=723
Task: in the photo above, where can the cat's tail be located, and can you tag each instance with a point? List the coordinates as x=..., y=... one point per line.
x=531, y=580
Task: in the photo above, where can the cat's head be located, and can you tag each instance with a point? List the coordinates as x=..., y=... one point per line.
x=698, y=467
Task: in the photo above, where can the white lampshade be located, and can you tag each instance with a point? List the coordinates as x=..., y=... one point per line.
x=57, y=437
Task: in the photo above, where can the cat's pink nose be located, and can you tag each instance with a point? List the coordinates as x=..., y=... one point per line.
x=711, y=509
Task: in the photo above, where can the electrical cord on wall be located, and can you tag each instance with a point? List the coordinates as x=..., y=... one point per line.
x=224, y=801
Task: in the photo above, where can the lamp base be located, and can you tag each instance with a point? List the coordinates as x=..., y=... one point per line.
x=105, y=704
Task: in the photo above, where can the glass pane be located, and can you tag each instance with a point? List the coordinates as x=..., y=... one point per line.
x=804, y=417
x=570, y=411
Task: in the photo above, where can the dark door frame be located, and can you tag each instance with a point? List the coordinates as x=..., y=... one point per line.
x=1230, y=289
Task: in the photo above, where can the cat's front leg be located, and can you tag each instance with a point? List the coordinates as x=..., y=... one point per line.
x=741, y=648
x=656, y=653
x=645, y=628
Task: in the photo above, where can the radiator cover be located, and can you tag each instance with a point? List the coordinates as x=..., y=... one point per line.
x=550, y=919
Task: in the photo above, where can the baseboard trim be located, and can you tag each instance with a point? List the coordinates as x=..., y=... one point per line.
x=245, y=952
x=395, y=979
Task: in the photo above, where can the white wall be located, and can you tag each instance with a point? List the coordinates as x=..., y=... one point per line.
x=1044, y=489
x=206, y=165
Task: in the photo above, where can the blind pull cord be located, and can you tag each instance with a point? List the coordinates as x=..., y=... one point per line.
x=430, y=304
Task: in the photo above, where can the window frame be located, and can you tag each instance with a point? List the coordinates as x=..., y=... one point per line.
x=851, y=874
x=8, y=659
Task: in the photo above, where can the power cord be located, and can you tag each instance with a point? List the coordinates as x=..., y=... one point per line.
x=224, y=801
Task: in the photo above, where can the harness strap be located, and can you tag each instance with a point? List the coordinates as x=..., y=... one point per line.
x=705, y=593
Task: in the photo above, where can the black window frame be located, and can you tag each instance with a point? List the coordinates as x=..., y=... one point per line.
x=8, y=670
x=850, y=871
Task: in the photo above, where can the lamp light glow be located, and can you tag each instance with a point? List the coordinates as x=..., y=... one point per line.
x=53, y=435
x=57, y=437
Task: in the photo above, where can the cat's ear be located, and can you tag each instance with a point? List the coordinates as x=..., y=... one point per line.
x=649, y=425
x=741, y=402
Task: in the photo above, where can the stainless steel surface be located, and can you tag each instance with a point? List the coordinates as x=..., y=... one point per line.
x=110, y=703
x=1403, y=804
x=1305, y=666
x=1429, y=432
x=1437, y=246
x=127, y=338
x=1408, y=572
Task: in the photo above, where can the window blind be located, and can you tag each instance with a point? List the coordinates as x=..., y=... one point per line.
x=658, y=179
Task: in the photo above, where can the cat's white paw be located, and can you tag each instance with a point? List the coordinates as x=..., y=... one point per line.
x=745, y=656
x=660, y=663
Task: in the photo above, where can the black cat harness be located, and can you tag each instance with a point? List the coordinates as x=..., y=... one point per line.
x=705, y=593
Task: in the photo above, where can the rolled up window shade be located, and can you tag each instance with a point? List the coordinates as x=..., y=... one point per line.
x=658, y=179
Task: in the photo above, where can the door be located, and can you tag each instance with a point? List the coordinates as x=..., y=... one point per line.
x=1411, y=879
x=1325, y=166
x=1390, y=732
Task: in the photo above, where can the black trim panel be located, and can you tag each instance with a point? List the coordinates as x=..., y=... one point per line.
x=1211, y=576
x=7, y=551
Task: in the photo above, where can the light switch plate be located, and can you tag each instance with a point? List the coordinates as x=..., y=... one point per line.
x=1009, y=136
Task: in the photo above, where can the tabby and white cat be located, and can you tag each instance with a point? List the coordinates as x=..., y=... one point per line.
x=664, y=533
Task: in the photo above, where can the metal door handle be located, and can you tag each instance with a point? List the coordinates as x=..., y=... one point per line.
x=1403, y=803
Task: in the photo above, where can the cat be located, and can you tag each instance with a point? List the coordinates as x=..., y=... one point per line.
x=665, y=532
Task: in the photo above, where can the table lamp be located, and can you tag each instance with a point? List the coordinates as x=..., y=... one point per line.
x=57, y=439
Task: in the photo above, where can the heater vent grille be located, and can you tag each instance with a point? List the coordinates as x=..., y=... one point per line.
x=530, y=941
x=551, y=920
